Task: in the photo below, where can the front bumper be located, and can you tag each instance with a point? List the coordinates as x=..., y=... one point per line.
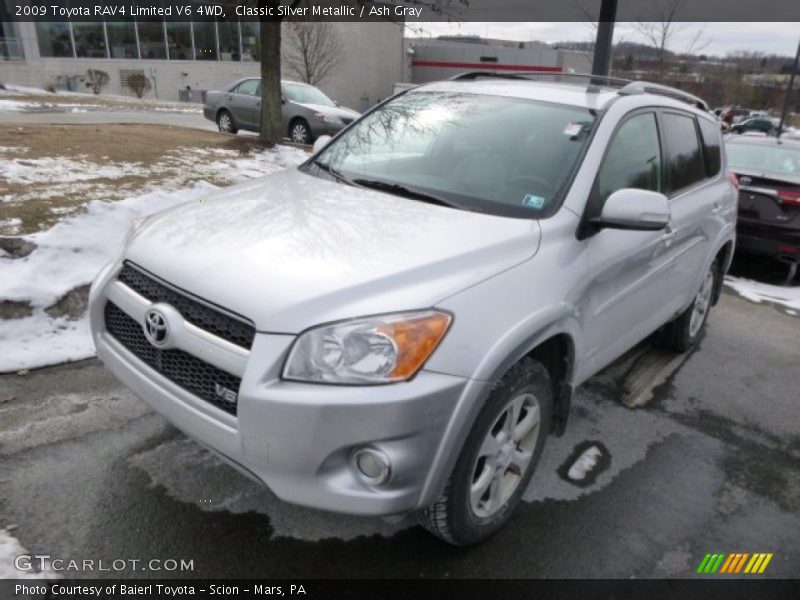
x=296, y=438
x=319, y=128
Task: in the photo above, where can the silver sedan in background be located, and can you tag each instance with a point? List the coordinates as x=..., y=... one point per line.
x=307, y=112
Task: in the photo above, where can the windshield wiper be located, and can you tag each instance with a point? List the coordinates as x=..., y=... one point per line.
x=333, y=171
x=401, y=190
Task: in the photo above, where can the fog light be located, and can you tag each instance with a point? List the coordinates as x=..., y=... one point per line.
x=372, y=466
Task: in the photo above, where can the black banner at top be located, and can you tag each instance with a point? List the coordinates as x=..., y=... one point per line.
x=398, y=10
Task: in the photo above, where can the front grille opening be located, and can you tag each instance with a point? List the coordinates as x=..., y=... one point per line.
x=192, y=374
x=199, y=314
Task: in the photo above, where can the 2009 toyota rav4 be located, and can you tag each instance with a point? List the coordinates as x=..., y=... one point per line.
x=399, y=323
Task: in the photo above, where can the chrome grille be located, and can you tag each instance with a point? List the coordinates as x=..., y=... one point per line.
x=205, y=317
x=192, y=374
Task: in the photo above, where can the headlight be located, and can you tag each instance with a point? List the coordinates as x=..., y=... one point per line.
x=372, y=350
x=328, y=118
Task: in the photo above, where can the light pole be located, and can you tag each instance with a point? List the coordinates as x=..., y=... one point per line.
x=789, y=90
x=601, y=64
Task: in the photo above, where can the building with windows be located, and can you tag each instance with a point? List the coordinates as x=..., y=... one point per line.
x=183, y=59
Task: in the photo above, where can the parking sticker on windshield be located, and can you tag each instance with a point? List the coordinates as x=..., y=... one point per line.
x=573, y=129
x=531, y=201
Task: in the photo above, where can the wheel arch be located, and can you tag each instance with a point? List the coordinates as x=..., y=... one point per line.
x=555, y=348
x=221, y=109
x=724, y=256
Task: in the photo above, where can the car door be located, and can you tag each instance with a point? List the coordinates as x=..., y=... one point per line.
x=628, y=270
x=245, y=100
x=696, y=201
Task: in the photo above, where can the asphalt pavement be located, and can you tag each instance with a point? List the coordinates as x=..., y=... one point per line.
x=710, y=463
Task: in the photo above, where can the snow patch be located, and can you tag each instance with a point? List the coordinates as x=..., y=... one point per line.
x=73, y=252
x=585, y=464
x=755, y=291
x=10, y=548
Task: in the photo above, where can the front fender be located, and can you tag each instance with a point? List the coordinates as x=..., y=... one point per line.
x=517, y=343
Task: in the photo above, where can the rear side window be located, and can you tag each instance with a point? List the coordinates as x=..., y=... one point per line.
x=684, y=158
x=633, y=159
x=711, y=146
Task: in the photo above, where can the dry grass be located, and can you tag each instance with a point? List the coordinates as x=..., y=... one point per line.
x=159, y=156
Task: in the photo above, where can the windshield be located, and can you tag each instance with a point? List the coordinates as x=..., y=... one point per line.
x=306, y=94
x=775, y=160
x=506, y=156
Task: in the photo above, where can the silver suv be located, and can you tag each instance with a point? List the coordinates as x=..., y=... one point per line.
x=398, y=324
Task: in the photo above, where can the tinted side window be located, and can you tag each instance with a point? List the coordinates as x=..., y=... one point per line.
x=684, y=160
x=249, y=87
x=633, y=159
x=711, y=146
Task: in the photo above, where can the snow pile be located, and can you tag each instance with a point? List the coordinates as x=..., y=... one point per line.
x=10, y=548
x=16, y=106
x=66, y=170
x=70, y=255
x=755, y=291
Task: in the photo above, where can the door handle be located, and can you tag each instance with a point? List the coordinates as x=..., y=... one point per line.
x=717, y=208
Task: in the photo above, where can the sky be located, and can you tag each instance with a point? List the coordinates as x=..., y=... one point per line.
x=715, y=38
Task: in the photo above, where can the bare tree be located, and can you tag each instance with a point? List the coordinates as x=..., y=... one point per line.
x=313, y=51
x=139, y=83
x=96, y=80
x=660, y=32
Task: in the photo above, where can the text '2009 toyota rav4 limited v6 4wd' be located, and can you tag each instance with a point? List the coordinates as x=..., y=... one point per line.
x=399, y=323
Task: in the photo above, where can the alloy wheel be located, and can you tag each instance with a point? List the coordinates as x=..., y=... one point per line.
x=701, y=304
x=504, y=455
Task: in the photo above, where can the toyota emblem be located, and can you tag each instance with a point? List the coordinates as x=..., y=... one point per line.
x=155, y=327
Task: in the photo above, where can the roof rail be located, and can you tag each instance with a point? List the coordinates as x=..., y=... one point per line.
x=534, y=75
x=626, y=86
x=645, y=87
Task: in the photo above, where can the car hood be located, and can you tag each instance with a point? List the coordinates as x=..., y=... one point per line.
x=335, y=111
x=291, y=250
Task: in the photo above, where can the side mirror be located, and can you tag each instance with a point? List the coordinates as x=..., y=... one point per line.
x=635, y=210
x=320, y=143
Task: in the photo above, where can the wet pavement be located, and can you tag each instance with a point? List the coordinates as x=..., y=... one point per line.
x=711, y=463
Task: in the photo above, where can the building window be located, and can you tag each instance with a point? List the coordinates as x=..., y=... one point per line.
x=54, y=39
x=228, y=40
x=90, y=41
x=205, y=41
x=151, y=39
x=179, y=38
x=122, y=40
x=250, y=41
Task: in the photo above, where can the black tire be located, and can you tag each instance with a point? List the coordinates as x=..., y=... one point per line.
x=680, y=335
x=225, y=122
x=452, y=517
x=300, y=132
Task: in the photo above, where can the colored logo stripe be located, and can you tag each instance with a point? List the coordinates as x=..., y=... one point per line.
x=734, y=563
